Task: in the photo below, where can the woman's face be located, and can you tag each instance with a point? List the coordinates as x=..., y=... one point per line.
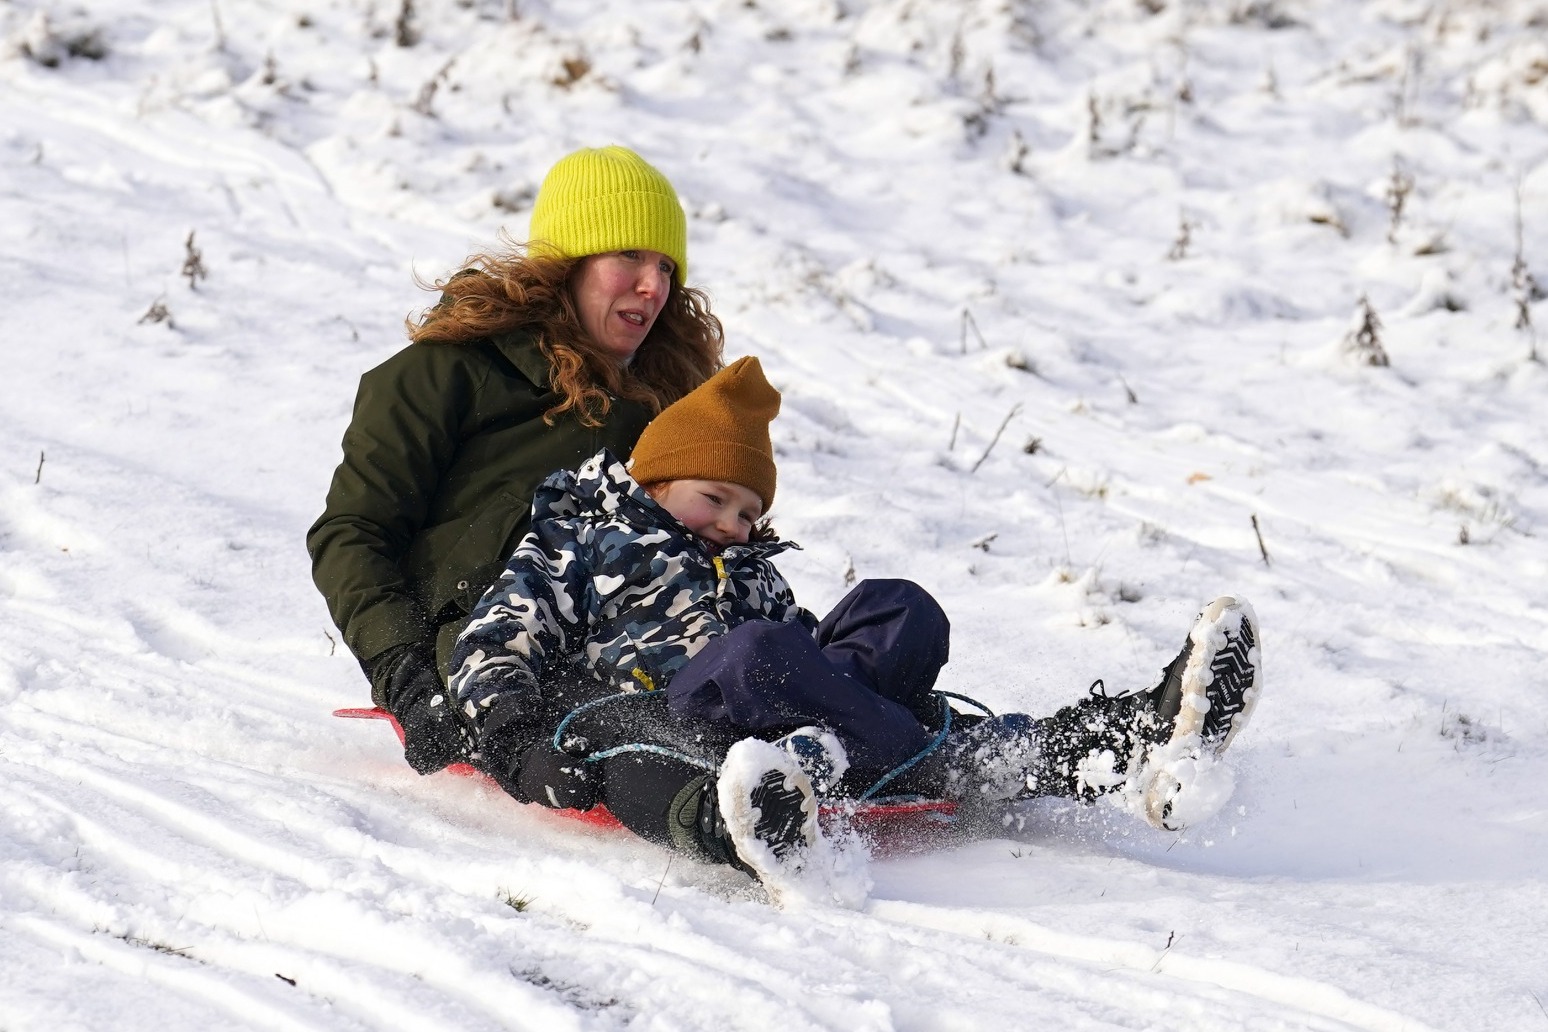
x=618, y=295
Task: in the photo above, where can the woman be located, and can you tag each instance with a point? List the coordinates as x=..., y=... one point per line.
x=531, y=362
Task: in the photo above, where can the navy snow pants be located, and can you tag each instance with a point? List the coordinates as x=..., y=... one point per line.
x=866, y=675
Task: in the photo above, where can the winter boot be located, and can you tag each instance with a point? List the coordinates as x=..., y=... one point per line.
x=759, y=814
x=1085, y=750
x=819, y=754
x=985, y=763
x=1203, y=702
x=1221, y=682
x=1140, y=742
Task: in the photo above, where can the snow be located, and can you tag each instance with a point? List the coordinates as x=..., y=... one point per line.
x=1050, y=340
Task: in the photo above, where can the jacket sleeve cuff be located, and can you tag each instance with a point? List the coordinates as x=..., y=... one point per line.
x=389, y=624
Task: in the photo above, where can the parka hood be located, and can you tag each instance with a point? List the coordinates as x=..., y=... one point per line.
x=602, y=486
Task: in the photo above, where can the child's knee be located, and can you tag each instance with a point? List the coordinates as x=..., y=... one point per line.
x=901, y=600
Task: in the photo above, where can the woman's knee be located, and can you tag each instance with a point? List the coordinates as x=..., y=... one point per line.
x=646, y=790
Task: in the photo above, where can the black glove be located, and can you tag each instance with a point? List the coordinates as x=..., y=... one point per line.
x=545, y=775
x=404, y=681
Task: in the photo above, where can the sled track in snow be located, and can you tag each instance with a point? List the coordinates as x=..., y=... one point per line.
x=1317, y=1000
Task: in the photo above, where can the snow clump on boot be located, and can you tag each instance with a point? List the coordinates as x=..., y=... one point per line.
x=1182, y=780
x=770, y=814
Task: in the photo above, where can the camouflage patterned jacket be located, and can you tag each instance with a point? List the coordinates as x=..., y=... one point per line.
x=608, y=580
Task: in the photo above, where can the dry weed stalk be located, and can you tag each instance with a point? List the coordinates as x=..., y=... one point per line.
x=1364, y=341
x=1399, y=186
x=1524, y=285
x=193, y=263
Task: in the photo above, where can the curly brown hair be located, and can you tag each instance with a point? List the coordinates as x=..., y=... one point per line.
x=516, y=288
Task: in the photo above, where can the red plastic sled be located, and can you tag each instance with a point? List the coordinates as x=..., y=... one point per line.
x=891, y=824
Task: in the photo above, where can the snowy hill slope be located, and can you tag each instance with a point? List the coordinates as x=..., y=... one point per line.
x=1058, y=296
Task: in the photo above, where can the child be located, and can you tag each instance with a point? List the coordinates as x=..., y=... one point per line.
x=642, y=651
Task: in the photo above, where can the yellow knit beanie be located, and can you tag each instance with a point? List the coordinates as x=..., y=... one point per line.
x=609, y=199
x=718, y=431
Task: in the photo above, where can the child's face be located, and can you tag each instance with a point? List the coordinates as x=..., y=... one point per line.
x=720, y=513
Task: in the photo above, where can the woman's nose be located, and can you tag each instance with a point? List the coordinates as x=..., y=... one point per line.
x=652, y=283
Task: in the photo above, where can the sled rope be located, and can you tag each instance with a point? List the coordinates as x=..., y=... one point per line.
x=617, y=750
x=712, y=768
x=586, y=707
x=935, y=744
x=659, y=750
x=970, y=701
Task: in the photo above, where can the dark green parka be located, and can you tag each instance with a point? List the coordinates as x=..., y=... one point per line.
x=445, y=448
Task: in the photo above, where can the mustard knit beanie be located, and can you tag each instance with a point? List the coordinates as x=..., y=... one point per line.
x=609, y=199
x=718, y=431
